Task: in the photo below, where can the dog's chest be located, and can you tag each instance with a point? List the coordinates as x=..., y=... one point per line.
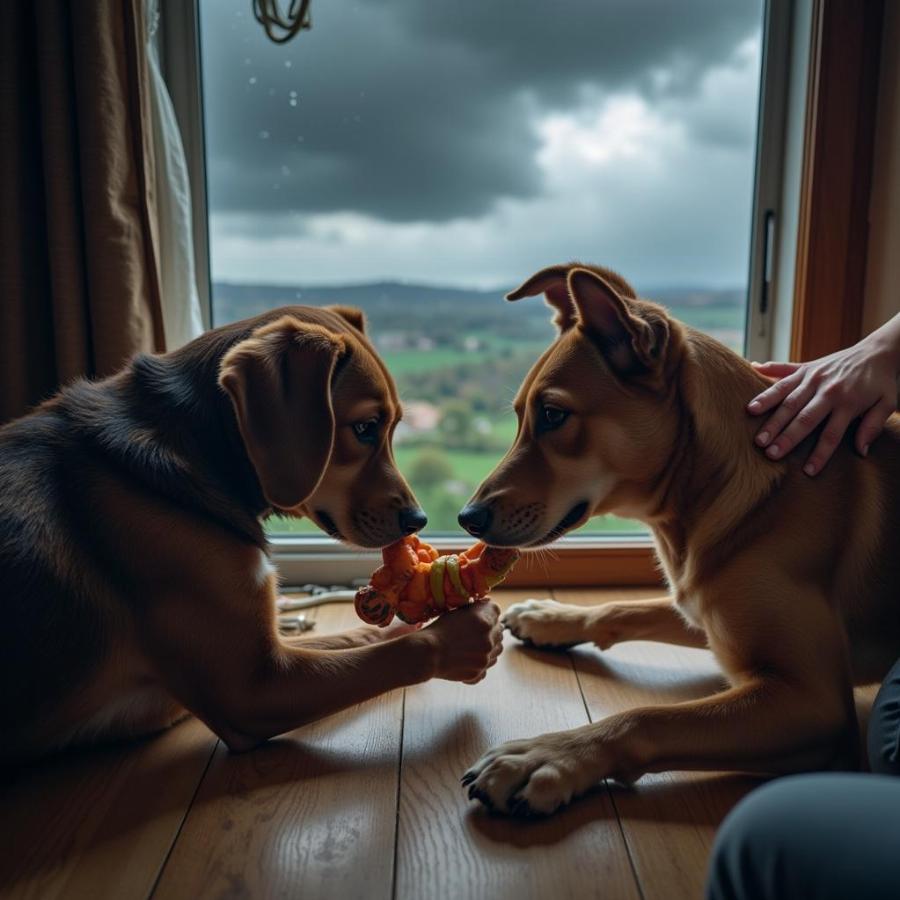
x=688, y=605
x=686, y=599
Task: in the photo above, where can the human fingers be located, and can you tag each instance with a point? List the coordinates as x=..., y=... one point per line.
x=802, y=425
x=773, y=395
x=787, y=410
x=776, y=369
x=828, y=441
x=871, y=425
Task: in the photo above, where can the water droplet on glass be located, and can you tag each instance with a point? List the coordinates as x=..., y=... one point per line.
x=293, y=93
x=287, y=63
x=252, y=79
x=285, y=171
x=264, y=135
x=293, y=101
x=247, y=61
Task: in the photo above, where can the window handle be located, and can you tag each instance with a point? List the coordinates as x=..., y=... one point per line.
x=768, y=249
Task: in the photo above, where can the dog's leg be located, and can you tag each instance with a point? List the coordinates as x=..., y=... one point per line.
x=248, y=685
x=754, y=727
x=361, y=636
x=546, y=623
x=791, y=709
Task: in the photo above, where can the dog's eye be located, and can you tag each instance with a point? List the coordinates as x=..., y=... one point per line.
x=366, y=432
x=551, y=417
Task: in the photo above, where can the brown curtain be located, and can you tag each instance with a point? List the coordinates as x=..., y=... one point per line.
x=79, y=288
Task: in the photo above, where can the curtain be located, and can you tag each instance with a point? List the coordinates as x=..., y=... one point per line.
x=79, y=226
x=178, y=287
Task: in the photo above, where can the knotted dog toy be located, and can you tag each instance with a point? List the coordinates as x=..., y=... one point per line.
x=416, y=584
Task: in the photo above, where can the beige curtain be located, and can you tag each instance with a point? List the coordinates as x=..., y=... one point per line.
x=79, y=285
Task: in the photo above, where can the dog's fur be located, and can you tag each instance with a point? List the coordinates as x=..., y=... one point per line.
x=791, y=581
x=134, y=572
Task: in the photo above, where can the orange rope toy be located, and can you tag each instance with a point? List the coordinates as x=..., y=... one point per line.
x=416, y=584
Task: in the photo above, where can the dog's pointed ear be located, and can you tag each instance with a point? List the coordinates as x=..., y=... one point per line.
x=279, y=381
x=551, y=282
x=631, y=339
x=350, y=314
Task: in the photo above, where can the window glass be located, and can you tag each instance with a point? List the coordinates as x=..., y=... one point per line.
x=418, y=160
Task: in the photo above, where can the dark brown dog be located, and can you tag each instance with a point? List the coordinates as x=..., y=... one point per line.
x=134, y=571
x=791, y=581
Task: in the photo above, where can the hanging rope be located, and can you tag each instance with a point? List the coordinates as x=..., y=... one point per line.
x=282, y=27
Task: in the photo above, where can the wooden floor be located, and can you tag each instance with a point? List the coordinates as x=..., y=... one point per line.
x=368, y=803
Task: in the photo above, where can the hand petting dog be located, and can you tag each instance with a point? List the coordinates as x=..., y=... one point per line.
x=857, y=383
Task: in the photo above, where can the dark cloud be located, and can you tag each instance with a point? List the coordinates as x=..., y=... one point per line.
x=555, y=46
x=409, y=110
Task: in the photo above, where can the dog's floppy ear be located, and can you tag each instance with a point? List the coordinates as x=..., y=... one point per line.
x=352, y=315
x=279, y=380
x=551, y=282
x=631, y=340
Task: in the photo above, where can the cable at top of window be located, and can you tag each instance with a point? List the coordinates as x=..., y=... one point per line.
x=281, y=27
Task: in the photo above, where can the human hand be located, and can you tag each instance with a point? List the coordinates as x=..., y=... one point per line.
x=858, y=381
x=467, y=641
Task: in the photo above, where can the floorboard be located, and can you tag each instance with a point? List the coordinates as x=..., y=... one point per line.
x=669, y=819
x=99, y=823
x=447, y=846
x=311, y=814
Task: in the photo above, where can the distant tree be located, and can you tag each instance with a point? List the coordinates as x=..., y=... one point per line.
x=430, y=468
x=456, y=426
x=442, y=507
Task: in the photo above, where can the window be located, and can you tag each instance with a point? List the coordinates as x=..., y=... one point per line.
x=419, y=160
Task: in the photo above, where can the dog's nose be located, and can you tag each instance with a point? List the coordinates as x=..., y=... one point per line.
x=412, y=519
x=475, y=518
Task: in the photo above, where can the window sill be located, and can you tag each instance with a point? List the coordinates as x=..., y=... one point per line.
x=575, y=561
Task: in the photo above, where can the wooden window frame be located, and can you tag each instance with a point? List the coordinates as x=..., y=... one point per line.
x=839, y=144
x=844, y=51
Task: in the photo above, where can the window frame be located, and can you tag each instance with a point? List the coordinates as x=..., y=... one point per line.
x=578, y=559
x=836, y=181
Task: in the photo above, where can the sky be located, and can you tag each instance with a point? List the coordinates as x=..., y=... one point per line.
x=473, y=142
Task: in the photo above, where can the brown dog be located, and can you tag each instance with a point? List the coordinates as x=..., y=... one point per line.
x=792, y=582
x=134, y=570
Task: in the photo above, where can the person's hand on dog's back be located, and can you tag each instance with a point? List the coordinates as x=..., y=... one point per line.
x=466, y=641
x=858, y=381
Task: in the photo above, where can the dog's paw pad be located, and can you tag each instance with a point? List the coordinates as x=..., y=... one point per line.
x=547, y=790
x=546, y=624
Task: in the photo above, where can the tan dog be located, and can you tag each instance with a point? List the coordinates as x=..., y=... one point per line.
x=791, y=581
x=134, y=569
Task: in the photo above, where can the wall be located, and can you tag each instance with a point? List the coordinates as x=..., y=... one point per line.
x=882, y=298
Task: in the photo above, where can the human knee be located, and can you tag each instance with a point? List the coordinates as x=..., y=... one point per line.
x=883, y=739
x=750, y=836
x=760, y=833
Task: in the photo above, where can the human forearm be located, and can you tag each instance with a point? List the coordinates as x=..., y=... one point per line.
x=886, y=341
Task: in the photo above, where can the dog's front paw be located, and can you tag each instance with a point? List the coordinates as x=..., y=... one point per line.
x=546, y=623
x=532, y=777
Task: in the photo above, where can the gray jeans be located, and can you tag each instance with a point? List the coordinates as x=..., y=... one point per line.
x=820, y=836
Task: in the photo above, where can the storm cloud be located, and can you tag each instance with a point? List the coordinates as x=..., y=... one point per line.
x=439, y=124
x=409, y=110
